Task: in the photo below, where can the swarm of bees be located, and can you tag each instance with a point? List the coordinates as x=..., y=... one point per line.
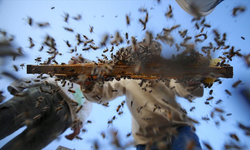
x=139, y=52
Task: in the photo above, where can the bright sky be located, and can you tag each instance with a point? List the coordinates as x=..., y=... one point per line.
x=108, y=17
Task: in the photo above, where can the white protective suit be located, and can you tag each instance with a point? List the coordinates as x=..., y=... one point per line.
x=155, y=112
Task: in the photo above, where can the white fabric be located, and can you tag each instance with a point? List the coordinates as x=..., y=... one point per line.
x=144, y=120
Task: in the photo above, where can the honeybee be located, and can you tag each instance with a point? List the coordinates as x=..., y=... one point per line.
x=241, y=9
x=210, y=98
x=210, y=92
x=30, y=21
x=229, y=93
x=15, y=67
x=243, y=38
x=80, y=107
x=106, y=50
x=127, y=20
x=103, y=135
x=207, y=25
x=68, y=29
x=91, y=29
x=37, y=117
x=219, y=110
x=78, y=17
x=207, y=146
x=120, y=112
x=197, y=26
x=58, y=108
x=128, y=135
x=236, y=83
x=89, y=121
x=45, y=24
x=192, y=108
x=229, y=114
x=222, y=118
x=118, y=108
x=78, y=137
x=66, y=17
x=67, y=42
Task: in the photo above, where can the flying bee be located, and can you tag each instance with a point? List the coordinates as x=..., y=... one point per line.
x=210, y=98
x=110, y=122
x=243, y=38
x=192, y=108
x=68, y=29
x=78, y=17
x=66, y=17
x=120, y=112
x=202, y=29
x=78, y=137
x=105, y=104
x=222, y=118
x=86, y=49
x=94, y=47
x=210, y=92
x=219, y=110
x=127, y=20
x=15, y=67
x=229, y=114
x=58, y=108
x=212, y=114
x=30, y=21
x=236, y=9
x=229, y=93
x=80, y=107
x=219, y=101
x=197, y=26
x=207, y=145
x=37, y=117
x=45, y=24
x=67, y=42
x=207, y=25
x=114, y=90
x=106, y=50
x=128, y=135
x=89, y=121
x=118, y=108
x=91, y=29
x=103, y=135
x=236, y=83
x=235, y=137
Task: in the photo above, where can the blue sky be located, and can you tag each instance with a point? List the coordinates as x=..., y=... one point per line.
x=109, y=17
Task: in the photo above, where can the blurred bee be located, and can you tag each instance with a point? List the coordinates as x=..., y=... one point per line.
x=131, y=103
x=66, y=17
x=112, y=48
x=175, y=27
x=222, y=118
x=192, y=108
x=78, y=17
x=224, y=37
x=104, y=40
x=86, y=49
x=67, y=42
x=58, y=108
x=30, y=21
x=229, y=93
x=91, y=29
x=127, y=20
x=105, y=104
x=80, y=107
x=212, y=114
x=169, y=13
x=37, y=117
x=219, y=110
x=243, y=38
x=229, y=114
x=77, y=137
x=103, y=135
x=89, y=121
x=110, y=122
x=68, y=29
x=106, y=50
x=197, y=26
x=46, y=24
x=210, y=92
x=118, y=108
x=236, y=83
x=236, y=9
x=202, y=29
x=207, y=25
x=207, y=145
x=128, y=135
x=94, y=47
x=15, y=67
x=120, y=112
x=210, y=98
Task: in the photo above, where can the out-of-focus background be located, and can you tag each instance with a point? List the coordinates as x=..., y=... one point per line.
x=108, y=17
